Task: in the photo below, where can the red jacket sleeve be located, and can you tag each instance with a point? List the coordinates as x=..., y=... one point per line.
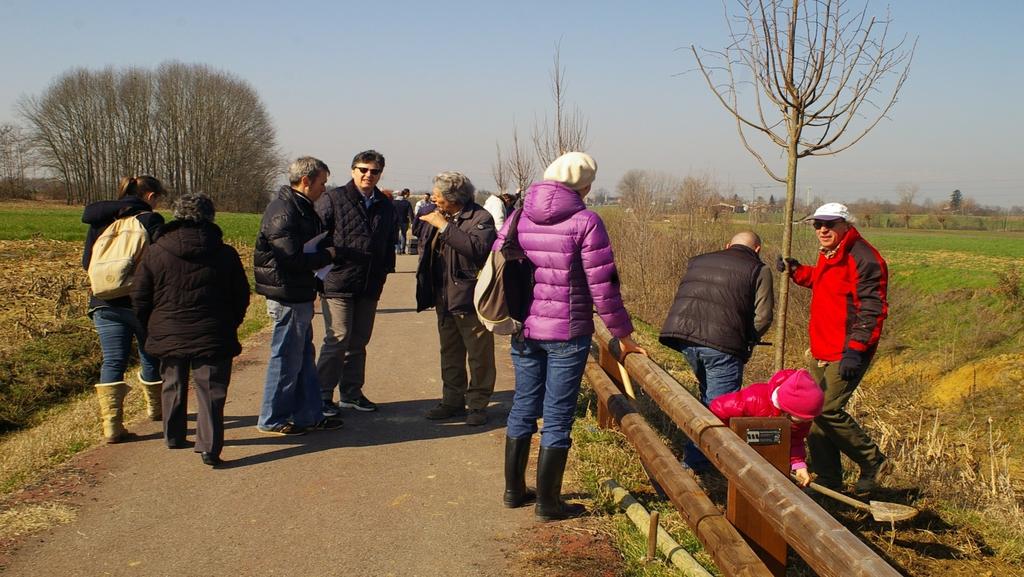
x=803, y=275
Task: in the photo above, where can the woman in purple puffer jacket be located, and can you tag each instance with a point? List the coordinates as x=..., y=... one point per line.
x=574, y=274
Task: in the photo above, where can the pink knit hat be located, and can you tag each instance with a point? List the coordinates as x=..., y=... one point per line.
x=797, y=393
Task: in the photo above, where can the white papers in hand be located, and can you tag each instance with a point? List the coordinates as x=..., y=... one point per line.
x=311, y=245
x=321, y=273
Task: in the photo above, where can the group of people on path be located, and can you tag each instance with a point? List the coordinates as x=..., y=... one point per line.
x=190, y=295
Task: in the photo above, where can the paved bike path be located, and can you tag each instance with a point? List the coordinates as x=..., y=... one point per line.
x=389, y=494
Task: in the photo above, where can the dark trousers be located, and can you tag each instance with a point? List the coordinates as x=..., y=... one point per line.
x=464, y=339
x=211, y=382
x=348, y=326
x=835, y=431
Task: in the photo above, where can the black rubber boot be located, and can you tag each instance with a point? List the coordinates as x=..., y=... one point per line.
x=517, y=453
x=550, y=467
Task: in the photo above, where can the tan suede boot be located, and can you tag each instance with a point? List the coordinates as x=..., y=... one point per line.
x=152, y=390
x=111, y=398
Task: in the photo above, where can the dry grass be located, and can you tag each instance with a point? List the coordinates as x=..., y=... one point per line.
x=31, y=518
x=54, y=299
x=28, y=455
x=960, y=467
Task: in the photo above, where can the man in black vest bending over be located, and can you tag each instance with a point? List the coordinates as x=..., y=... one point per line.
x=723, y=306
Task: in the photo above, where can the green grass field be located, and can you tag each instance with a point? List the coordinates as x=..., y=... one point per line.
x=927, y=261
x=21, y=222
x=938, y=261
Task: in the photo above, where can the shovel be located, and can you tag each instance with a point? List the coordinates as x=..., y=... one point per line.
x=880, y=510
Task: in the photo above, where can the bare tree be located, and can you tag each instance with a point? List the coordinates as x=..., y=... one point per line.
x=500, y=171
x=15, y=158
x=907, y=192
x=694, y=194
x=819, y=65
x=968, y=206
x=195, y=128
x=643, y=194
x=569, y=131
x=521, y=165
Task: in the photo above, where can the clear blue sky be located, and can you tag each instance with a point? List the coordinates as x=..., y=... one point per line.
x=433, y=85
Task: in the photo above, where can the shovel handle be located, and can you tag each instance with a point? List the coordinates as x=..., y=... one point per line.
x=840, y=497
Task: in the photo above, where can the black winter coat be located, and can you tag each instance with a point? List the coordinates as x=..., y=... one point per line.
x=717, y=300
x=100, y=215
x=364, y=239
x=190, y=292
x=283, y=271
x=403, y=213
x=464, y=246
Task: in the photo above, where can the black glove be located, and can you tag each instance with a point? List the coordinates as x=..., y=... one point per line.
x=851, y=365
x=780, y=264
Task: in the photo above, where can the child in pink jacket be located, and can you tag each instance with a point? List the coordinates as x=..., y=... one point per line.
x=792, y=393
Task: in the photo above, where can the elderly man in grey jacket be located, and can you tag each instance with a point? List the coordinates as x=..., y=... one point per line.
x=455, y=245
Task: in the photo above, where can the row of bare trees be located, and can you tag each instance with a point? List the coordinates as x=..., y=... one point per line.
x=565, y=132
x=194, y=128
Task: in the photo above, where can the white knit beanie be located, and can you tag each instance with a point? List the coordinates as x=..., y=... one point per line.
x=573, y=169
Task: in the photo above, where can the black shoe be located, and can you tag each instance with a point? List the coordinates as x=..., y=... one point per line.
x=360, y=404
x=443, y=411
x=210, y=459
x=476, y=417
x=550, y=468
x=286, y=429
x=329, y=409
x=517, y=454
x=176, y=444
x=868, y=480
x=328, y=424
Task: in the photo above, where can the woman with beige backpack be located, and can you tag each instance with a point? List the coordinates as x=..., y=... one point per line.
x=118, y=232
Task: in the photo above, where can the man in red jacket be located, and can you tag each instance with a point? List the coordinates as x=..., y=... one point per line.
x=848, y=306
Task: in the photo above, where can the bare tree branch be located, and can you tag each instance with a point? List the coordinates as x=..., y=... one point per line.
x=820, y=64
x=520, y=164
x=569, y=131
x=500, y=170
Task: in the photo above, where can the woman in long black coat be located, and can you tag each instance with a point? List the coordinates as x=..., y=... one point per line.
x=191, y=293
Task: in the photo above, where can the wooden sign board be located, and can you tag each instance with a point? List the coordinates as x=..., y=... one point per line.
x=770, y=438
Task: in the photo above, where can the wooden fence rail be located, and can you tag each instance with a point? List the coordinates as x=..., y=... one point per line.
x=828, y=547
x=726, y=546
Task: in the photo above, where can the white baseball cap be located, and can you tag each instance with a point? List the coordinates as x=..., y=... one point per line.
x=832, y=211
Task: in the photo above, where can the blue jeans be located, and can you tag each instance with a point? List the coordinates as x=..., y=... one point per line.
x=116, y=326
x=548, y=376
x=291, y=392
x=718, y=374
x=400, y=245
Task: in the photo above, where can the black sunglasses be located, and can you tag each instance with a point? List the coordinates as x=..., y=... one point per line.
x=365, y=169
x=829, y=224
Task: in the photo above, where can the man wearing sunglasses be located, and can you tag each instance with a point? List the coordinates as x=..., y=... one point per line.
x=848, y=307
x=361, y=222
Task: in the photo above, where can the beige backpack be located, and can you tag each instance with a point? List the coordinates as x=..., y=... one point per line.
x=115, y=255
